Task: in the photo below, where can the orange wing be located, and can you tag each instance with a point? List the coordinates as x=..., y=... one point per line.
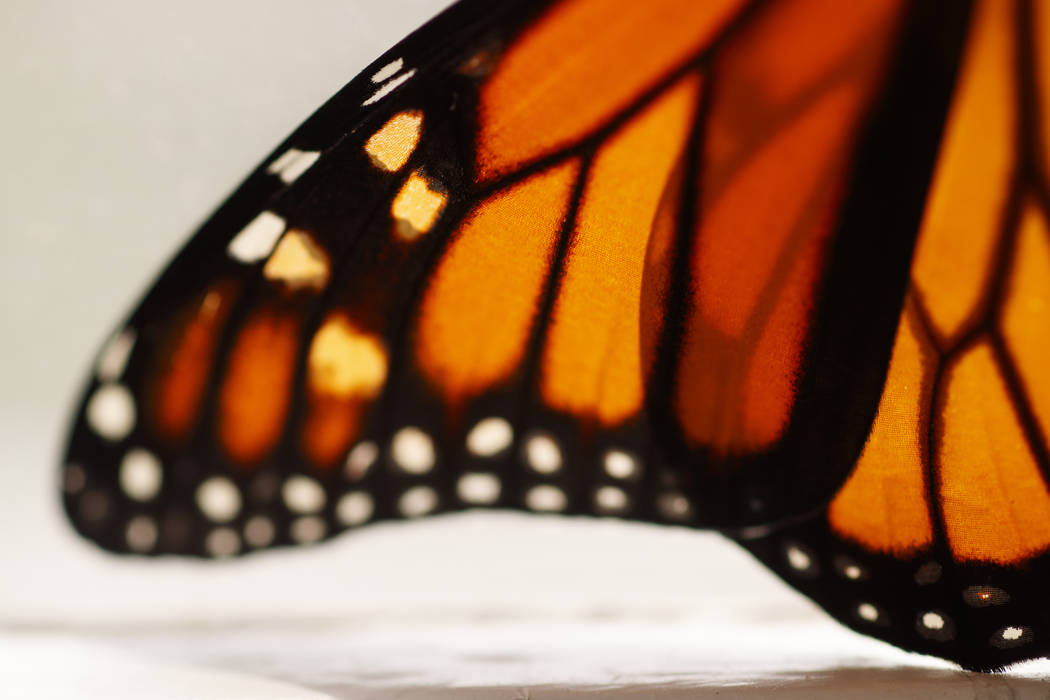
x=942, y=531
x=576, y=257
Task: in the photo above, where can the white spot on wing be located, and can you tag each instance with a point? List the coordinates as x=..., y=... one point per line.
x=868, y=612
x=111, y=411
x=478, y=488
x=283, y=161
x=388, y=71
x=140, y=474
x=303, y=495
x=798, y=559
x=933, y=621
x=543, y=454
x=620, y=464
x=490, y=437
x=546, y=498
x=293, y=163
x=417, y=501
x=360, y=460
x=115, y=355
x=609, y=499
x=354, y=508
x=413, y=450
x=219, y=499
x=389, y=88
x=257, y=240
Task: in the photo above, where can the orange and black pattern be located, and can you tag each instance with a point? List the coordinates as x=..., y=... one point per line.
x=937, y=541
x=655, y=261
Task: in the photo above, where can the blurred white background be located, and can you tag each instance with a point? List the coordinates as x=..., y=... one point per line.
x=123, y=124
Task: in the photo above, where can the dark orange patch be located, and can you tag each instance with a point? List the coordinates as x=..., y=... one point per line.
x=581, y=63
x=186, y=362
x=476, y=314
x=756, y=265
x=254, y=395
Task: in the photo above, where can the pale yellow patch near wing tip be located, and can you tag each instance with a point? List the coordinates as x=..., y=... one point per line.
x=390, y=147
x=298, y=261
x=416, y=207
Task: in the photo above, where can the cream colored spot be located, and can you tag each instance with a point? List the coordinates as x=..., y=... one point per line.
x=293, y=163
x=546, y=498
x=413, y=450
x=389, y=88
x=798, y=559
x=868, y=612
x=490, y=437
x=417, y=501
x=140, y=474
x=257, y=239
x=345, y=362
x=111, y=411
x=609, y=499
x=416, y=207
x=620, y=464
x=543, y=454
x=360, y=460
x=219, y=499
x=390, y=147
x=388, y=71
x=354, y=508
x=114, y=356
x=299, y=262
x=222, y=542
x=932, y=621
x=302, y=494
x=1013, y=633
x=478, y=488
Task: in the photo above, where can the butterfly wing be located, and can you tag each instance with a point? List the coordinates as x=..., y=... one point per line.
x=938, y=540
x=571, y=257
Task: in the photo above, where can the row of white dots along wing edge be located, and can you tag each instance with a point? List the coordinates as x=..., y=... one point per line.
x=931, y=624
x=412, y=450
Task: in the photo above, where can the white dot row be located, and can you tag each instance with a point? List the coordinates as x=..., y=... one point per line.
x=412, y=450
x=930, y=624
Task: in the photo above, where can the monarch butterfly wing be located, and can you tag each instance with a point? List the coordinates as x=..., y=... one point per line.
x=938, y=541
x=208, y=398
x=424, y=301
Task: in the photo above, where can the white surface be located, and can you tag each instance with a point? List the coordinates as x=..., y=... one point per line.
x=124, y=123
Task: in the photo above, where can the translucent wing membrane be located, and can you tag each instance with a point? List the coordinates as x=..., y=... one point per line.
x=938, y=540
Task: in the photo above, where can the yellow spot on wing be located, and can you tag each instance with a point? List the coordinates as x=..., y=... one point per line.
x=390, y=147
x=345, y=362
x=298, y=262
x=416, y=207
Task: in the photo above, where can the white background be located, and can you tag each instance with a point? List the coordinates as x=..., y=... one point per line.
x=123, y=124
